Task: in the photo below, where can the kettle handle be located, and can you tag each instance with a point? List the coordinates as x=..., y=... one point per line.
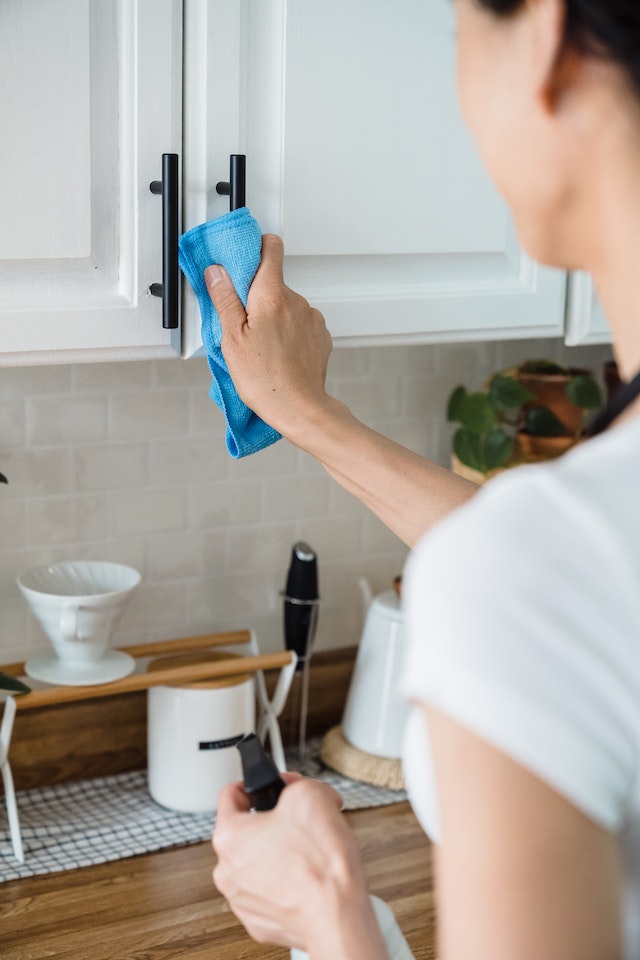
x=366, y=593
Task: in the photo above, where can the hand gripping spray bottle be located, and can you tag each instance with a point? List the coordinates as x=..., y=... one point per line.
x=263, y=785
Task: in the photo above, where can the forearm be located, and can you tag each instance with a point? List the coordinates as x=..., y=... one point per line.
x=407, y=492
x=277, y=354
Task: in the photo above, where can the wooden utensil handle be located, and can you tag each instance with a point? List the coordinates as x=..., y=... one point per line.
x=142, y=681
x=185, y=644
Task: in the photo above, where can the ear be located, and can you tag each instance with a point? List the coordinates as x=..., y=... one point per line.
x=553, y=65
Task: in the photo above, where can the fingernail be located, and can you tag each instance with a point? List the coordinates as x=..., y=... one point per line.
x=213, y=275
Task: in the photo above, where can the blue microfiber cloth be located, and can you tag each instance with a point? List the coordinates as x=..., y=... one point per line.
x=235, y=242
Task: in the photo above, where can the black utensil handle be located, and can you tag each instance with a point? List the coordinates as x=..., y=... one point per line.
x=169, y=289
x=235, y=187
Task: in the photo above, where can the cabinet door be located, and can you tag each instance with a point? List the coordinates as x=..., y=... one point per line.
x=91, y=98
x=358, y=157
x=586, y=322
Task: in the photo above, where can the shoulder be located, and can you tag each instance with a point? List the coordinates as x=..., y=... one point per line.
x=578, y=512
x=522, y=626
x=519, y=520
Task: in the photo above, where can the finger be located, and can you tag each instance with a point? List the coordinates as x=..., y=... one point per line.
x=224, y=297
x=291, y=776
x=272, y=256
x=232, y=803
x=269, y=277
x=308, y=790
x=335, y=798
x=232, y=799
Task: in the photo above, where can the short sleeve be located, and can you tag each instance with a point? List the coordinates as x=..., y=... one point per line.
x=521, y=628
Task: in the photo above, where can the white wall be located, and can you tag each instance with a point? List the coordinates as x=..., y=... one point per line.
x=127, y=462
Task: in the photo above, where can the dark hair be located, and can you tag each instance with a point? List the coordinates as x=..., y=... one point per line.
x=602, y=28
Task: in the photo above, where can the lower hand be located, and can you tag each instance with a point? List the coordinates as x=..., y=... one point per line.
x=278, y=349
x=284, y=872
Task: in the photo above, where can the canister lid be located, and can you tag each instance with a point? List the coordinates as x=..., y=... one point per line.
x=188, y=659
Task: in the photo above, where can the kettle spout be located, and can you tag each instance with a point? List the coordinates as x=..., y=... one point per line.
x=366, y=593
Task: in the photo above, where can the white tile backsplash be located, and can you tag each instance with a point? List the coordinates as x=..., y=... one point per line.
x=55, y=421
x=71, y=519
x=127, y=462
x=145, y=416
x=113, y=466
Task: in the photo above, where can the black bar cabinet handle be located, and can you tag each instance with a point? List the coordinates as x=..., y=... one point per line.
x=169, y=289
x=235, y=187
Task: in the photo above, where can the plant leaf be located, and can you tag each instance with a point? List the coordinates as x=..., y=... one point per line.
x=498, y=448
x=13, y=684
x=476, y=413
x=468, y=449
x=506, y=393
x=585, y=392
x=541, y=366
x=453, y=407
x=541, y=422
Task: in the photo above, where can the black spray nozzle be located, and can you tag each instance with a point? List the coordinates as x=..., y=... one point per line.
x=262, y=782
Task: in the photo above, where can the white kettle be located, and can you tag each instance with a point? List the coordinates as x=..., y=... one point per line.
x=375, y=713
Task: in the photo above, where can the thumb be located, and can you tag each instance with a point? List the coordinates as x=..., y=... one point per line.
x=224, y=297
x=269, y=281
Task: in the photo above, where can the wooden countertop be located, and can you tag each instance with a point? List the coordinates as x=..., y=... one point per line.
x=163, y=906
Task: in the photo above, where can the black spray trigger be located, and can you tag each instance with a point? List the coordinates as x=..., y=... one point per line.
x=262, y=782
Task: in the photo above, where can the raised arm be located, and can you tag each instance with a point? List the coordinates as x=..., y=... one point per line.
x=277, y=354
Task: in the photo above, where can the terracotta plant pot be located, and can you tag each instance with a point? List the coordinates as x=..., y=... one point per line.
x=533, y=449
x=476, y=476
x=611, y=378
x=550, y=391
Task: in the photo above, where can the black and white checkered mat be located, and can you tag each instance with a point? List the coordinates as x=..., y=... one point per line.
x=95, y=821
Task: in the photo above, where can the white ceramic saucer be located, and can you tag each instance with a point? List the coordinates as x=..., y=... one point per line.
x=113, y=665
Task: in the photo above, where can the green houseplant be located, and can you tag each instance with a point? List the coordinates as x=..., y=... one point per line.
x=530, y=412
x=12, y=684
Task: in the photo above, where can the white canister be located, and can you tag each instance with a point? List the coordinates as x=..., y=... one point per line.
x=375, y=713
x=192, y=733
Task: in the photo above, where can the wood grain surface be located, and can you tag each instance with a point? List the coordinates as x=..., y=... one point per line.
x=163, y=906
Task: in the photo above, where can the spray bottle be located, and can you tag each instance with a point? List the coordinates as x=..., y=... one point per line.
x=263, y=785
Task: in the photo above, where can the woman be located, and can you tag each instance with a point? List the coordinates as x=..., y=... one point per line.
x=523, y=747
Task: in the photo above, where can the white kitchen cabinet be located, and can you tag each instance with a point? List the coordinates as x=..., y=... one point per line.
x=586, y=322
x=358, y=157
x=90, y=99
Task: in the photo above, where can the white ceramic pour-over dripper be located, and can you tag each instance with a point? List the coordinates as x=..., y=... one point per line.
x=78, y=605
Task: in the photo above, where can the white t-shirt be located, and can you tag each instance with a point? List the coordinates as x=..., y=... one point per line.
x=523, y=613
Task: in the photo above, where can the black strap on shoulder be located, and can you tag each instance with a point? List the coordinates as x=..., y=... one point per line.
x=621, y=399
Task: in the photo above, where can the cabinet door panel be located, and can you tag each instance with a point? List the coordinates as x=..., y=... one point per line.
x=54, y=85
x=364, y=169
x=357, y=156
x=586, y=322
x=91, y=100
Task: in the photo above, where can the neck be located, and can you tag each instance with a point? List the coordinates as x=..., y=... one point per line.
x=615, y=260
x=620, y=299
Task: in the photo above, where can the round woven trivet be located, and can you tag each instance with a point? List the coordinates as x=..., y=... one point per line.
x=340, y=755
